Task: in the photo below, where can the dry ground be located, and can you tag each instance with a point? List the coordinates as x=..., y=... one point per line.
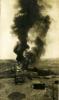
x=25, y=91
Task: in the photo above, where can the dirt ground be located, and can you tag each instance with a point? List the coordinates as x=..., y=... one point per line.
x=25, y=91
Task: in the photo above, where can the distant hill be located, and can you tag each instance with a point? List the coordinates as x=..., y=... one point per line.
x=7, y=60
x=44, y=61
x=50, y=64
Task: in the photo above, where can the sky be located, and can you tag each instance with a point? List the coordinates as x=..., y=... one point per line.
x=52, y=38
x=8, y=41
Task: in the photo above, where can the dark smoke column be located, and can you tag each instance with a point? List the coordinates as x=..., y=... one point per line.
x=26, y=18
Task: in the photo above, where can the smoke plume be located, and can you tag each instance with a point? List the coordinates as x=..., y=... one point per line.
x=31, y=27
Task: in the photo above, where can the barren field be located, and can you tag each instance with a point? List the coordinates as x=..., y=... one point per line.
x=25, y=91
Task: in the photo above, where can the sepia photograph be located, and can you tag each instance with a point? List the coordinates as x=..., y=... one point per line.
x=29, y=49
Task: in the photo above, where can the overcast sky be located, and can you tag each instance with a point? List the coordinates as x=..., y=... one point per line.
x=7, y=41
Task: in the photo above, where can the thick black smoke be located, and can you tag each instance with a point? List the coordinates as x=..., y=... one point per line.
x=26, y=18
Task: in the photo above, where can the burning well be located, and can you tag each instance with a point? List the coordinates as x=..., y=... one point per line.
x=31, y=27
